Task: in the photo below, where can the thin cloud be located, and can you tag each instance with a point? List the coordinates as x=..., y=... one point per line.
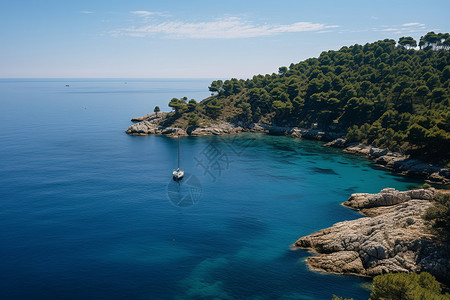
x=224, y=28
x=142, y=13
x=145, y=14
x=413, y=24
x=412, y=27
x=86, y=12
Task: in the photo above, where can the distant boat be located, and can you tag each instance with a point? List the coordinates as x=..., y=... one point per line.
x=178, y=174
x=67, y=85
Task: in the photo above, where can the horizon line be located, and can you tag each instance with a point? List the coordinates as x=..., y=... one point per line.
x=130, y=78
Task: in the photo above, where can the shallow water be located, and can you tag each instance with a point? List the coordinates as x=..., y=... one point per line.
x=87, y=211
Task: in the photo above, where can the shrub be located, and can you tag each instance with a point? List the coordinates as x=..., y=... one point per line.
x=439, y=215
x=340, y=298
x=194, y=120
x=403, y=286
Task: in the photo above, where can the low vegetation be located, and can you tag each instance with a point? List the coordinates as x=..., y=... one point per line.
x=439, y=215
x=402, y=286
x=340, y=298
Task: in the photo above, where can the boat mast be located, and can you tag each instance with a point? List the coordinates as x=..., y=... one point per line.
x=178, y=152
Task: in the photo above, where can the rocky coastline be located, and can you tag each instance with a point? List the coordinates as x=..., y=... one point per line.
x=152, y=124
x=403, y=164
x=399, y=163
x=392, y=237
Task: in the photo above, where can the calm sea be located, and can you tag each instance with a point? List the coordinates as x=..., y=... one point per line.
x=88, y=212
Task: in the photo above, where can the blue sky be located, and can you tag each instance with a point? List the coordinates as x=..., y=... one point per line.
x=194, y=39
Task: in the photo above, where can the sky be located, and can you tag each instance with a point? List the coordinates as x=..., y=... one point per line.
x=195, y=39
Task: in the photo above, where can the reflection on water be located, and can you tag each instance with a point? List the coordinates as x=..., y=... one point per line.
x=185, y=192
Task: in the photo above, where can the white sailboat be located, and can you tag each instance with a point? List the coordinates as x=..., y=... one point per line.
x=178, y=173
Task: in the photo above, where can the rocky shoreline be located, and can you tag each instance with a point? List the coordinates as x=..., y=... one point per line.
x=396, y=162
x=403, y=164
x=392, y=238
x=151, y=124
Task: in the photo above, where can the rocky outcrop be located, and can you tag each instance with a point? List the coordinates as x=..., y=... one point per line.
x=387, y=197
x=397, y=162
x=147, y=127
x=217, y=129
x=152, y=124
x=395, y=239
x=153, y=117
x=337, y=143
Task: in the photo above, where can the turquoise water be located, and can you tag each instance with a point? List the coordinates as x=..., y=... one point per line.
x=85, y=210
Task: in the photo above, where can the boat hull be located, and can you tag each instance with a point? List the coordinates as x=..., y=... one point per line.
x=178, y=175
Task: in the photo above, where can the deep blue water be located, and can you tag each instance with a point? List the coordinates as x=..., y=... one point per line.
x=85, y=211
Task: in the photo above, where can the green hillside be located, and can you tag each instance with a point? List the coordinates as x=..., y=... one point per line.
x=385, y=93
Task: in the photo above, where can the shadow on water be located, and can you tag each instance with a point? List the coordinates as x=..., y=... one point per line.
x=301, y=153
x=249, y=226
x=210, y=243
x=351, y=190
x=282, y=178
x=323, y=171
x=346, y=192
x=240, y=277
x=294, y=196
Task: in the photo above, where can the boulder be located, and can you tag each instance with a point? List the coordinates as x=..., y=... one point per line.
x=377, y=152
x=337, y=143
x=257, y=127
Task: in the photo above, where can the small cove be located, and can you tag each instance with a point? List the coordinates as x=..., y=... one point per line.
x=84, y=209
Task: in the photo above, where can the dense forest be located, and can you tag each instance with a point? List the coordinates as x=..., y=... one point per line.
x=389, y=94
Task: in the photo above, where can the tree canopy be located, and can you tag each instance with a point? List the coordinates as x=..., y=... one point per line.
x=388, y=94
x=407, y=42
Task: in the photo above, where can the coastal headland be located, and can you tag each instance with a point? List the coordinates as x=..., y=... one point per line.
x=393, y=237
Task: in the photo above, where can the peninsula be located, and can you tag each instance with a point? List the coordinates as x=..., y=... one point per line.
x=393, y=237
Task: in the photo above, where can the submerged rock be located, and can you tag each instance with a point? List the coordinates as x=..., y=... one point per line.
x=396, y=239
